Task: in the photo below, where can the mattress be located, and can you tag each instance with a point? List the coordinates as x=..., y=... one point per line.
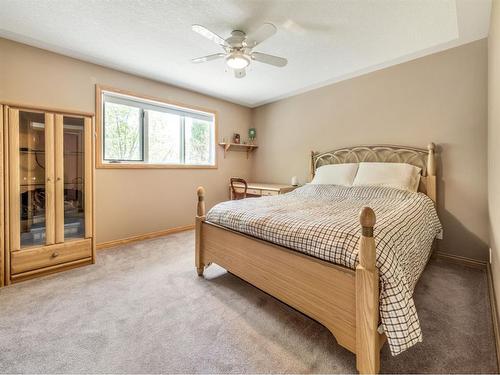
x=323, y=221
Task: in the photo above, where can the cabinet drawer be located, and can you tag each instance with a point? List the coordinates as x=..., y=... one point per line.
x=40, y=257
x=254, y=191
x=249, y=191
x=269, y=192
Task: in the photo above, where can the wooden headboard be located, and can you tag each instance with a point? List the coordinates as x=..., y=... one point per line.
x=422, y=158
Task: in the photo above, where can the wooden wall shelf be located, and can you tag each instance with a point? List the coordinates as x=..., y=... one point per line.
x=237, y=147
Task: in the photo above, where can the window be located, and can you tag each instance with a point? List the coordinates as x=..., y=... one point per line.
x=137, y=131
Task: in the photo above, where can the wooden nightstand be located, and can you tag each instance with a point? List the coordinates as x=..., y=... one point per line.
x=258, y=189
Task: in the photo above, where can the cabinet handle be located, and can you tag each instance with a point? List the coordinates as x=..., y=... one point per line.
x=49, y=179
x=58, y=179
x=55, y=254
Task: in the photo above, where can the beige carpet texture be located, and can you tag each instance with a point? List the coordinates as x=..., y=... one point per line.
x=143, y=309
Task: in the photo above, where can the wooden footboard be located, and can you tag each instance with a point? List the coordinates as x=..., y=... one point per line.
x=343, y=300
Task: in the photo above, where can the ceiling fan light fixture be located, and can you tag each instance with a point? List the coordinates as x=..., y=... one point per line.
x=237, y=60
x=238, y=48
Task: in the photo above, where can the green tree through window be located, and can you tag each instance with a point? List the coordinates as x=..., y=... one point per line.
x=197, y=141
x=137, y=130
x=122, y=133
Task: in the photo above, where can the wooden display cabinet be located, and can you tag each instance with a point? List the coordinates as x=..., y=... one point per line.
x=48, y=171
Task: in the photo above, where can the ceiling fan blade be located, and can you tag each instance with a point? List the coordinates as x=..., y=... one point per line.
x=203, y=31
x=240, y=73
x=269, y=59
x=262, y=33
x=207, y=58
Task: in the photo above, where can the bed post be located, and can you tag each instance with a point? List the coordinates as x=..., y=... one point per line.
x=367, y=295
x=200, y=218
x=431, y=172
x=311, y=167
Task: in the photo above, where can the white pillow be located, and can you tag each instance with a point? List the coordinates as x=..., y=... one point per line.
x=335, y=174
x=398, y=175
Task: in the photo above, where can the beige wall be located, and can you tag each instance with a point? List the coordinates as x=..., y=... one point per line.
x=440, y=98
x=494, y=142
x=128, y=202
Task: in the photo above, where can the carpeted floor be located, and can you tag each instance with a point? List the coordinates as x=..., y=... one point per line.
x=142, y=309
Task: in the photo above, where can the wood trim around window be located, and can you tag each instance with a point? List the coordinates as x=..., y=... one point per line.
x=98, y=149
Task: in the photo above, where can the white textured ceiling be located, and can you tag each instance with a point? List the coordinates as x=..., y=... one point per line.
x=324, y=40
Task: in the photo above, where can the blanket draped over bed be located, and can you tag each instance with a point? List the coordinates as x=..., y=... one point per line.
x=323, y=221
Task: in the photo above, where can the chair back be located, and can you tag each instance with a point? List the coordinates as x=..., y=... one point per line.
x=238, y=194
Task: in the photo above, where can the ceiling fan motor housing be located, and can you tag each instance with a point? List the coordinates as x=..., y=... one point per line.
x=236, y=39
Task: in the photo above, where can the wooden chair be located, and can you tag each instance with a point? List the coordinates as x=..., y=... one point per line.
x=236, y=194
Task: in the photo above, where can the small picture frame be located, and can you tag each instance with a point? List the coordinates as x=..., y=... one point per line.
x=236, y=138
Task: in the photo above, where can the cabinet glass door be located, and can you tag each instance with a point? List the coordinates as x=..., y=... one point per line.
x=31, y=187
x=72, y=180
x=74, y=195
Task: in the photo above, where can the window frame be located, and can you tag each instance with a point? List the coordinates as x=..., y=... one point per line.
x=152, y=101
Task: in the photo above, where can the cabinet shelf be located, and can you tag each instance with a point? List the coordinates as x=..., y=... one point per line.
x=237, y=147
x=35, y=185
x=33, y=152
x=42, y=185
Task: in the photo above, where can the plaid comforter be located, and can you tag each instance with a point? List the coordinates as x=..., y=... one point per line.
x=323, y=221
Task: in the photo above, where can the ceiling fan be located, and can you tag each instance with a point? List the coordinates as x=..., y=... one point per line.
x=238, y=48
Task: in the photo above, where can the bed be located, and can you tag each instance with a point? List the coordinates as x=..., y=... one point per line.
x=312, y=250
